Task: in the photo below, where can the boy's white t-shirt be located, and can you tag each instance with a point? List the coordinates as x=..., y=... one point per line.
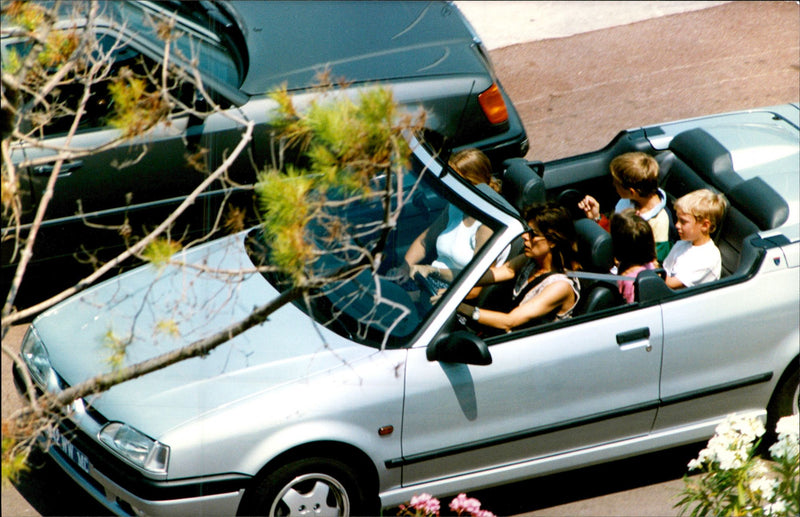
x=694, y=265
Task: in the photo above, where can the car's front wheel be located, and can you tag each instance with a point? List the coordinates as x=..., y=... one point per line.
x=307, y=487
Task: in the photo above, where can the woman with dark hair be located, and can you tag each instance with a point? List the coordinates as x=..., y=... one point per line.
x=543, y=292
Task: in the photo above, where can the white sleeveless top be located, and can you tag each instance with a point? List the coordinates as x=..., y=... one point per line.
x=455, y=246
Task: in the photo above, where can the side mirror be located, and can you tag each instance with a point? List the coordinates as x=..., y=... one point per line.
x=460, y=347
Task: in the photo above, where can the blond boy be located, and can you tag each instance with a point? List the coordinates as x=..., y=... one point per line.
x=695, y=258
x=635, y=178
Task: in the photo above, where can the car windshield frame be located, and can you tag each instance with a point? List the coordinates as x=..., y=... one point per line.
x=372, y=307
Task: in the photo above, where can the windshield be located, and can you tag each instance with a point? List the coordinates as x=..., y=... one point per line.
x=387, y=298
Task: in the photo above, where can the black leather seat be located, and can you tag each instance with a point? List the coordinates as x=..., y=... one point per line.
x=522, y=187
x=697, y=160
x=596, y=254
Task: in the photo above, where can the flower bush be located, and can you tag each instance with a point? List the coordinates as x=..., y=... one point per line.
x=425, y=505
x=737, y=482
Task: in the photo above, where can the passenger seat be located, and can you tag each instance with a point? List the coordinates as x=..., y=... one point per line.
x=596, y=255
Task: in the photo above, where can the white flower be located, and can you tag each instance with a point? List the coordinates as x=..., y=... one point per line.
x=695, y=464
x=776, y=508
x=765, y=486
x=748, y=428
x=788, y=425
x=785, y=449
x=729, y=460
x=788, y=444
x=724, y=427
x=732, y=448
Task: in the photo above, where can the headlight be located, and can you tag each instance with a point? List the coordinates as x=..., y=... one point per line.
x=135, y=447
x=36, y=357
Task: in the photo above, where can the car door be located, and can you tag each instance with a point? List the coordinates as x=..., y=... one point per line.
x=545, y=393
x=112, y=196
x=722, y=345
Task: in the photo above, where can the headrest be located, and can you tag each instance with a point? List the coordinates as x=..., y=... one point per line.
x=595, y=250
x=760, y=203
x=522, y=187
x=707, y=157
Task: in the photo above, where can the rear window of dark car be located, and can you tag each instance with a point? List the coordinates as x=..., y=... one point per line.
x=291, y=42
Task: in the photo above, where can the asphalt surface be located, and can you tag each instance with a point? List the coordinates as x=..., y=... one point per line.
x=574, y=93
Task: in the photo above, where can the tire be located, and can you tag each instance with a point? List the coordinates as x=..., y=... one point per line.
x=308, y=487
x=784, y=402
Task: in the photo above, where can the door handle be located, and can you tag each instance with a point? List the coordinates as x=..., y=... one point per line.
x=631, y=336
x=66, y=168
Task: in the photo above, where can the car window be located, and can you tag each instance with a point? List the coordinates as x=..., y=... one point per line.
x=134, y=46
x=218, y=60
x=384, y=307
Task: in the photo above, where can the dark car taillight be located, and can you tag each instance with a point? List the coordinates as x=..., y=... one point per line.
x=493, y=105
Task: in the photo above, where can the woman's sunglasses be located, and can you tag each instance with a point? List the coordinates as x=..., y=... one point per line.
x=531, y=233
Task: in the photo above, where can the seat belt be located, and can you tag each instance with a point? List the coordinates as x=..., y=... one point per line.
x=608, y=277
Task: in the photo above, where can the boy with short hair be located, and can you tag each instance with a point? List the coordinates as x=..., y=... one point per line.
x=695, y=258
x=635, y=178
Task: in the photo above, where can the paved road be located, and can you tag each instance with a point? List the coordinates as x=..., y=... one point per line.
x=574, y=94
x=505, y=23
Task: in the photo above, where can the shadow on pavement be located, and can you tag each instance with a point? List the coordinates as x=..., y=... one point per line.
x=589, y=482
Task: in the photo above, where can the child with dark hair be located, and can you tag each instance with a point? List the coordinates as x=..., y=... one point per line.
x=634, y=248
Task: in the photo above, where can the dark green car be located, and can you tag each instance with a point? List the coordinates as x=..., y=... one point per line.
x=426, y=52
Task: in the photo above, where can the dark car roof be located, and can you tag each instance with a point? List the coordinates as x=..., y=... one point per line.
x=290, y=42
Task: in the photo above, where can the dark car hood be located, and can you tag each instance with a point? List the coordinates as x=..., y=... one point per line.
x=290, y=42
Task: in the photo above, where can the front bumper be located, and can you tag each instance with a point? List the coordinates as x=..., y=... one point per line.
x=124, y=503
x=123, y=489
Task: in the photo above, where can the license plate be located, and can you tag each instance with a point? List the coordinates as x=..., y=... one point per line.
x=69, y=450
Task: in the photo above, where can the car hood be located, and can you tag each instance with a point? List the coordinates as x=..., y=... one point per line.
x=291, y=42
x=149, y=311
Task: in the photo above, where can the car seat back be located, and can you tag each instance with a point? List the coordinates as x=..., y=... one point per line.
x=698, y=161
x=596, y=255
x=522, y=187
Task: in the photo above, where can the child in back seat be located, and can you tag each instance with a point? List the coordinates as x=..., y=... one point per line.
x=635, y=178
x=634, y=248
x=695, y=258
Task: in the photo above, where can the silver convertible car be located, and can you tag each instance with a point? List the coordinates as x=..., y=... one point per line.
x=371, y=393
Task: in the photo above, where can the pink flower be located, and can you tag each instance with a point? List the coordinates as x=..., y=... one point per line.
x=463, y=504
x=425, y=504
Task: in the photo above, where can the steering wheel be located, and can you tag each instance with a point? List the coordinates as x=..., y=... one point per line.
x=425, y=284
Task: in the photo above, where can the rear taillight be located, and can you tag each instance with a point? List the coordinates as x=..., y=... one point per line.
x=493, y=105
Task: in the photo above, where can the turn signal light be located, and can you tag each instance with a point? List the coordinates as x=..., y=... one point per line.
x=493, y=105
